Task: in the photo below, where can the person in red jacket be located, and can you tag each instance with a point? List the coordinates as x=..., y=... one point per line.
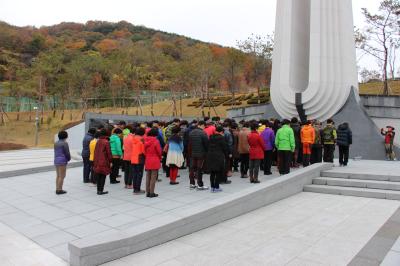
x=153, y=154
x=256, y=151
x=102, y=161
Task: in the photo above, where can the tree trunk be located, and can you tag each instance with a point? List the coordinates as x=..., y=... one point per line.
x=385, y=76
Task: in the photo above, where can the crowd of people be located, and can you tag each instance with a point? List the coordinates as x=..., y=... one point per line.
x=208, y=146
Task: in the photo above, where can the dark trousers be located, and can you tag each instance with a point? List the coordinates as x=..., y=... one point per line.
x=329, y=150
x=86, y=169
x=267, y=161
x=92, y=174
x=215, y=179
x=101, y=179
x=137, y=175
x=244, y=163
x=316, y=154
x=344, y=155
x=254, y=168
x=127, y=173
x=164, y=165
x=284, y=161
x=196, y=171
x=236, y=164
x=295, y=157
x=306, y=160
x=116, y=163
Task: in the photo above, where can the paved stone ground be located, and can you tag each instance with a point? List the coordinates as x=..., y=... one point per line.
x=305, y=229
x=28, y=205
x=393, y=257
x=370, y=167
x=18, y=250
x=26, y=159
x=302, y=228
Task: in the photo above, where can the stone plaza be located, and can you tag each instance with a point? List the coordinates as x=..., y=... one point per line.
x=273, y=223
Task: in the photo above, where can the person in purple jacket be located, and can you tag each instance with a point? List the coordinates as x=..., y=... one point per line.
x=268, y=137
x=61, y=158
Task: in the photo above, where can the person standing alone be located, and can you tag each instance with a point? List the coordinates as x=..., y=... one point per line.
x=61, y=158
x=344, y=140
x=389, y=141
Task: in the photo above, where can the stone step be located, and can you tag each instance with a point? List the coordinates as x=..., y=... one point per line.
x=360, y=183
x=364, y=176
x=353, y=191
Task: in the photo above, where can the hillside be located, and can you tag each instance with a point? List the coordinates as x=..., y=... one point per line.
x=99, y=59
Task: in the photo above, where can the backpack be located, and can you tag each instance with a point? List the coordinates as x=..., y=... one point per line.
x=328, y=134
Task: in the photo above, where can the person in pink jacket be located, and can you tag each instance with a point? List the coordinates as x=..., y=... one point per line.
x=256, y=153
x=153, y=154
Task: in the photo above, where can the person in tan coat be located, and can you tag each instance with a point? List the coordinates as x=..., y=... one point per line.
x=243, y=149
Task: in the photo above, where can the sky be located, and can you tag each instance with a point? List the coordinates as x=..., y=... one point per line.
x=219, y=21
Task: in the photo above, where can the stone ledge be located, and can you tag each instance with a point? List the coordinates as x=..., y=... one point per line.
x=35, y=170
x=97, y=250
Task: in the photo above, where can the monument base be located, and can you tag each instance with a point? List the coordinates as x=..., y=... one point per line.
x=368, y=143
x=367, y=140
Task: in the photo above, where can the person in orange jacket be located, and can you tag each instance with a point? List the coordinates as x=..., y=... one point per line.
x=137, y=160
x=307, y=135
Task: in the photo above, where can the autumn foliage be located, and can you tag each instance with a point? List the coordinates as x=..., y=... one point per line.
x=110, y=60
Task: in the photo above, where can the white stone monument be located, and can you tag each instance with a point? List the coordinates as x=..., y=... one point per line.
x=314, y=61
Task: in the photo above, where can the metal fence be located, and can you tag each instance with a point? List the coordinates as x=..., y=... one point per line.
x=24, y=104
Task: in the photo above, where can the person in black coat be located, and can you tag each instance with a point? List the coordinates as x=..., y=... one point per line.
x=216, y=158
x=197, y=150
x=87, y=168
x=344, y=140
x=297, y=154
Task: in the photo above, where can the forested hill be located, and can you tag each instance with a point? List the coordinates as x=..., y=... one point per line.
x=104, y=59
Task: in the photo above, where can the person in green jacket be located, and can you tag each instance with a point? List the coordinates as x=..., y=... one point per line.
x=116, y=151
x=285, y=144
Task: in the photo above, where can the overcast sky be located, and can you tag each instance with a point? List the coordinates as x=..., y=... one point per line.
x=219, y=21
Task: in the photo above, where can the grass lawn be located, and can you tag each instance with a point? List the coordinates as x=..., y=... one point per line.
x=23, y=130
x=376, y=88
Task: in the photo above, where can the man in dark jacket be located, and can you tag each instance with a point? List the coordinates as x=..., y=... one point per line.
x=197, y=149
x=86, y=154
x=344, y=140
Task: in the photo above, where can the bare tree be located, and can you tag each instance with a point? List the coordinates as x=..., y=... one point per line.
x=381, y=32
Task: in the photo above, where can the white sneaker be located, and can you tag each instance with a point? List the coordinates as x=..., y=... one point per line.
x=202, y=188
x=193, y=186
